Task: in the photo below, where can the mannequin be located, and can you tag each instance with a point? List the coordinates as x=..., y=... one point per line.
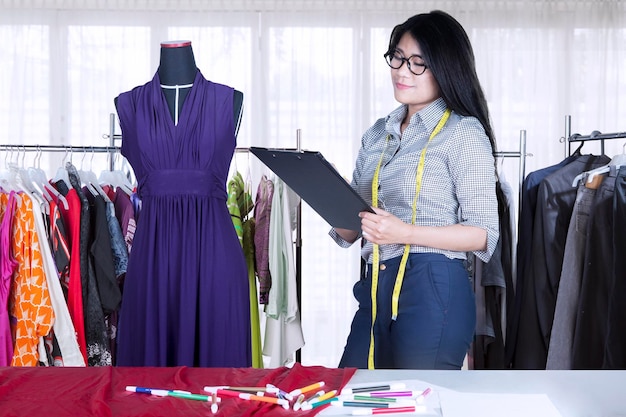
x=177, y=71
x=175, y=291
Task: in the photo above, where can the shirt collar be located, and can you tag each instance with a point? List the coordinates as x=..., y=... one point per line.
x=432, y=113
x=429, y=116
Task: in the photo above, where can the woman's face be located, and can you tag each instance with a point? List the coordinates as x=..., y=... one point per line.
x=416, y=91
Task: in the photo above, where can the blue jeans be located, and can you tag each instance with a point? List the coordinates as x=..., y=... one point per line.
x=436, y=316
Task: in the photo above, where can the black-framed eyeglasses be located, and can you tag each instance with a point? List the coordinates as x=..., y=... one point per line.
x=415, y=63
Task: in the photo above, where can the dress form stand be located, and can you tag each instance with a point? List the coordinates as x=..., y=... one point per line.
x=174, y=269
x=177, y=71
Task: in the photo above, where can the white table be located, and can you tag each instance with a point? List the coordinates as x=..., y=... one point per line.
x=573, y=393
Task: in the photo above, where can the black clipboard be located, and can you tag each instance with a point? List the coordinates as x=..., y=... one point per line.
x=318, y=183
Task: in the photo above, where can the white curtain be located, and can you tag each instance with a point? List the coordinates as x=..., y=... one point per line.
x=313, y=66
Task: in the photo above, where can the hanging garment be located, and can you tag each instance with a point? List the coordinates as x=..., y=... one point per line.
x=491, y=281
x=98, y=351
x=262, y=213
x=101, y=255
x=564, y=322
x=102, y=267
x=615, y=349
x=555, y=203
x=71, y=276
x=125, y=215
x=283, y=331
x=530, y=188
x=592, y=316
x=30, y=306
x=66, y=350
x=239, y=205
x=120, y=256
x=185, y=299
x=255, y=320
x=7, y=267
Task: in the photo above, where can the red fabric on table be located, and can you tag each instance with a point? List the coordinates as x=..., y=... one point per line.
x=101, y=391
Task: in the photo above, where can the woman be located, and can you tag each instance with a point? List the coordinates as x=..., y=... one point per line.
x=429, y=172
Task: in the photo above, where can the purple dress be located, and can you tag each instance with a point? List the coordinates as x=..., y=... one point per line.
x=185, y=299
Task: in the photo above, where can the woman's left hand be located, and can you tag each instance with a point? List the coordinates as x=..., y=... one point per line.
x=383, y=227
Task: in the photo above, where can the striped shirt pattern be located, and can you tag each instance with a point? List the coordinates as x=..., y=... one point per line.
x=458, y=184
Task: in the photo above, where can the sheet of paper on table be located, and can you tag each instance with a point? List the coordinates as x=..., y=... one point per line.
x=472, y=404
x=443, y=402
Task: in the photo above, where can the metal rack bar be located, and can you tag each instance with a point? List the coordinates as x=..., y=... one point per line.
x=522, y=164
x=59, y=148
x=595, y=135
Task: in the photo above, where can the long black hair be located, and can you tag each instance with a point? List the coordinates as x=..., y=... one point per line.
x=448, y=53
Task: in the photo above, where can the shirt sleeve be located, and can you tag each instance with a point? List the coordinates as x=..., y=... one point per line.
x=472, y=170
x=339, y=240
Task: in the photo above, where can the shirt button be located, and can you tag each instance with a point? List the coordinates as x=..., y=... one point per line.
x=383, y=267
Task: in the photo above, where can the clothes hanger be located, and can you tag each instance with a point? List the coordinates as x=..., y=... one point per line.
x=8, y=177
x=617, y=161
x=249, y=202
x=577, y=152
x=116, y=179
x=9, y=174
x=90, y=181
x=39, y=178
x=84, y=177
x=233, y=169
x=62, y=174
x=5, y=174
x=26, y=183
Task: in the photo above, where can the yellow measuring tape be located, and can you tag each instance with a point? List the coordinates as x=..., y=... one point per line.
x=376, y=255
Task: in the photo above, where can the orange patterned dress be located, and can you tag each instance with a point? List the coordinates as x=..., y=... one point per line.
x=30, y=307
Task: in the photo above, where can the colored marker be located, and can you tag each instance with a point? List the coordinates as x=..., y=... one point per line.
x=329, y=394
x=153, y=391
x=171, y=393
x=266, y=394
x=371, y=398
x=395, y=410
x=214, y=405
x=246, y=396
x=389, y=387
x=306, y=389
x=394, y=393
x=316, y=395
x=371, y=404
x=275, y=389
x=189, y=396
x=243, y=389
x=321, y=400
x=420, y=398
x=307, y=406
x=298, y=403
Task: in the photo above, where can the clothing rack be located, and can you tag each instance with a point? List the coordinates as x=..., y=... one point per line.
x=521, y=154
x=113, y=149
x=59, y=148
x=595, y=135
